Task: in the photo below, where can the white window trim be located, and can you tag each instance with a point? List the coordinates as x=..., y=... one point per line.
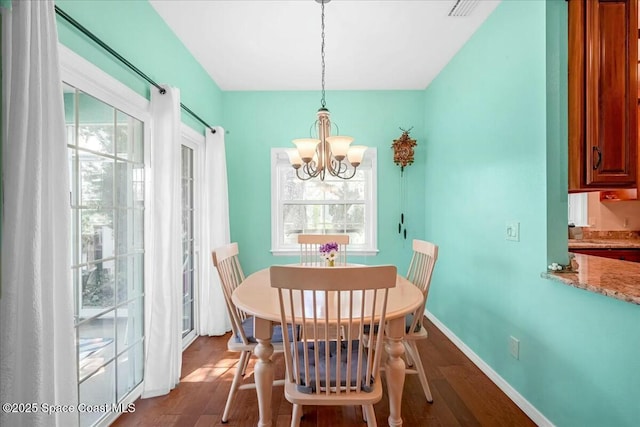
x=80, y=73
x=278, y=158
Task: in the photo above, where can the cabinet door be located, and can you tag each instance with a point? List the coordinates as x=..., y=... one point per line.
x=603, y=134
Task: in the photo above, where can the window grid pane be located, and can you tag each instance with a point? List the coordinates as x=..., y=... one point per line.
x=107, y=181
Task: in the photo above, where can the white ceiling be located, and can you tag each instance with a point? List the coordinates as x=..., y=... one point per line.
x=275, y=45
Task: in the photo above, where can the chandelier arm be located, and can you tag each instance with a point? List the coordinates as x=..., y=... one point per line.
x=337, y=167
x=347, y=177
x=331, y=166
x=303, y=178
x=311, y=169
x=352, y=174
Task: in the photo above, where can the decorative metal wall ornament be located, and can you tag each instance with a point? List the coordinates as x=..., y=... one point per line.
x=403, y=156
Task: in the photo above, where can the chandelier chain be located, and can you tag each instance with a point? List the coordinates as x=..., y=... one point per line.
x=322, y=101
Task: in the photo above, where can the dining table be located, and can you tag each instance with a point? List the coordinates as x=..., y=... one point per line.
x=256, y=297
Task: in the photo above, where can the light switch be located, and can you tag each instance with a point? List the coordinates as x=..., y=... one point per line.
x=512, y=231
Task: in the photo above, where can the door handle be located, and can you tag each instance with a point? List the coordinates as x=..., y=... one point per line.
x=597, y=150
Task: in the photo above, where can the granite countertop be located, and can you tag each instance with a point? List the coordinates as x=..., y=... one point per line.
x=610, y=277
x=602, y=243
x=585, y=238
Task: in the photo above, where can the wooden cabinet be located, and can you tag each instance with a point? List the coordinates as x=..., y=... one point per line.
x=622, y=254
x=603, y=88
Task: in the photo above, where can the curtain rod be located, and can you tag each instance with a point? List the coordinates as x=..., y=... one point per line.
x=120, y=58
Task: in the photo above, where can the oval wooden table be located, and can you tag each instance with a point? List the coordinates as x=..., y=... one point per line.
x=256, y=296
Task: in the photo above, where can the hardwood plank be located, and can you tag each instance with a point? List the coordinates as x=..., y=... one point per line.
x=462, y=394
x=462, y=414
x=482, y=397
x=416, y=411
x=166, y=420
x=207, y=421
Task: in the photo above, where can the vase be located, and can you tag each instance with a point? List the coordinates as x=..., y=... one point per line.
x=331, y=262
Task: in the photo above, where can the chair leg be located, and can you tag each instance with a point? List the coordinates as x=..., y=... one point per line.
x=246, y=363
x=420, y=368
x=371, y=416
x=296, y=415
x=407, y=354
x=234, y=385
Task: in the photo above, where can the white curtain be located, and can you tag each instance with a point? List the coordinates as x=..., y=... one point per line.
x=163, y=266
x=212, y=314
x=37, y=351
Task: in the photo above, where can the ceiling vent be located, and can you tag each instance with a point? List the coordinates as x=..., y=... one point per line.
x=463, y=7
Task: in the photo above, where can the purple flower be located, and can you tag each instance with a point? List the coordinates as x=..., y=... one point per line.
x=328, y=248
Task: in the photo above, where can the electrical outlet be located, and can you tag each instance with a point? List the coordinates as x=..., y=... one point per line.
x=512, y=231
x=514, y=347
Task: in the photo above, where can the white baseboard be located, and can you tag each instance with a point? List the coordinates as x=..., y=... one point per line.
x=531, y=411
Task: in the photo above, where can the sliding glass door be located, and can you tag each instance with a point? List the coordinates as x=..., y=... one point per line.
x=188, y=249
x=107, y=197
x=192, y=146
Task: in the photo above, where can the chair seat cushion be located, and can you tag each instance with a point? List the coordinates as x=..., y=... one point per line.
x=276, y=336
x=310, y=386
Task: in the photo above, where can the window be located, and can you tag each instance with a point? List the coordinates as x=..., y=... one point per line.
x=323, y=207
x=188, y=276
x=192, y=147
x=105, y=149
x=578, y=209
x=106, y=137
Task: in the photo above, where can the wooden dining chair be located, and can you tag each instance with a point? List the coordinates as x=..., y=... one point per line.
x=323, y=304
x=242, y=341
x=310, y=248
x=423, y=260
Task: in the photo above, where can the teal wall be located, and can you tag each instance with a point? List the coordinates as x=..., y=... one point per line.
x=495, y=121
x=138, y=33
x=258, y=121
x=557, y=130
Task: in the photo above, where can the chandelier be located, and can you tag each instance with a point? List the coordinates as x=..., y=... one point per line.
x=314, y=157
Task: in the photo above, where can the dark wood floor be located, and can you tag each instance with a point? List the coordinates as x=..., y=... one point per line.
x=462, y=394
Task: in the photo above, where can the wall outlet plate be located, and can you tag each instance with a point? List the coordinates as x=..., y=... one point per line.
x=514, y=347
x=512, y=231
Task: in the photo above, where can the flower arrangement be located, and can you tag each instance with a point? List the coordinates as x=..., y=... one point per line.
x=329, y=251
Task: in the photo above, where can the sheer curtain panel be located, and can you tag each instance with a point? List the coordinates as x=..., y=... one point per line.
x=37, y=353
x=163, y=267
x=213, y=319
